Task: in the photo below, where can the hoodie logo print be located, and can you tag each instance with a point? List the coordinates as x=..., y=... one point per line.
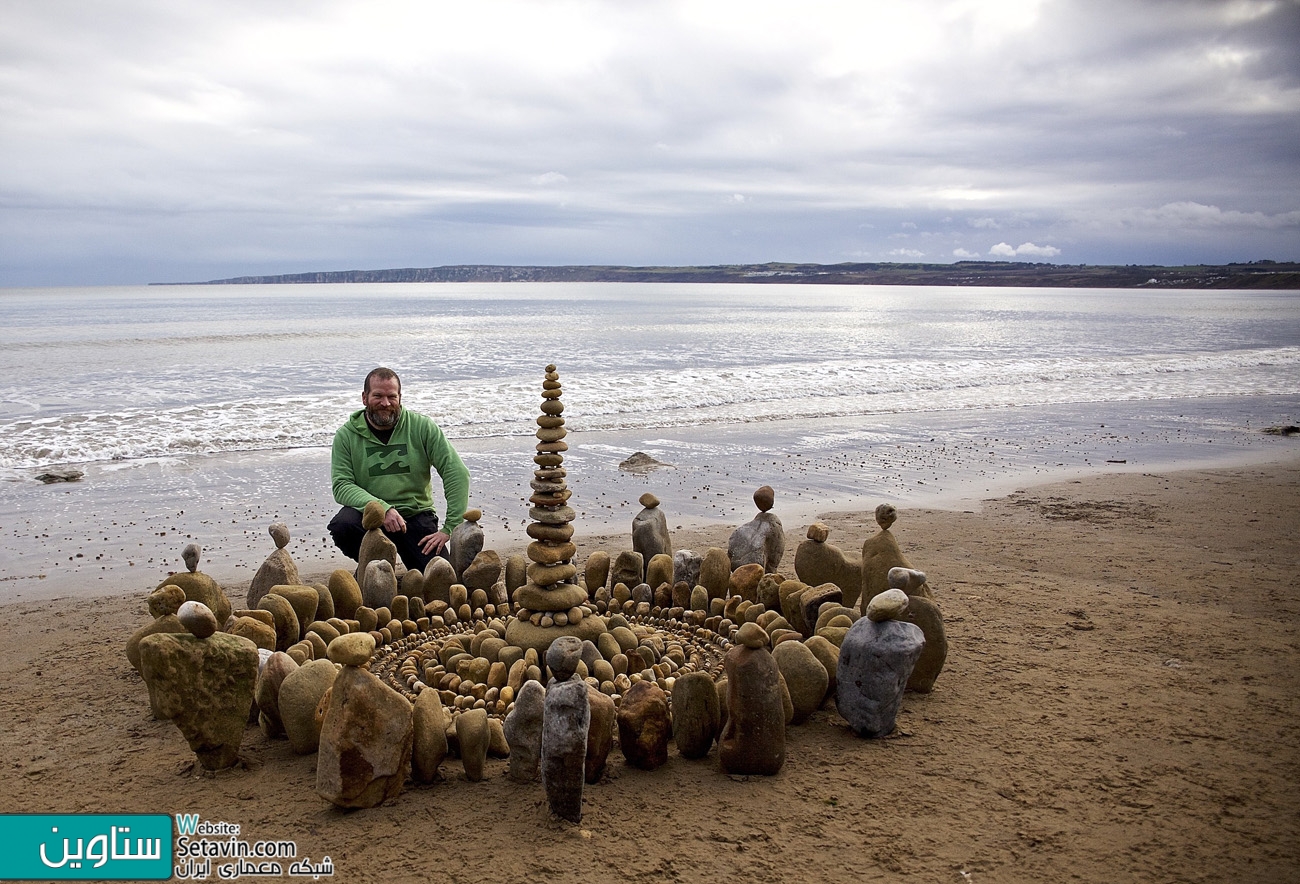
x=386, y=460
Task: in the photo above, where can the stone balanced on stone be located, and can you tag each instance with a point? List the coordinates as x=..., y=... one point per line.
x=279, y=568
x=199, y=587
x=876, y=659
x=880, y=554
x=565, y=723
x=650, y=530
x=550, y=604
x=203, y=682
x=761, y=541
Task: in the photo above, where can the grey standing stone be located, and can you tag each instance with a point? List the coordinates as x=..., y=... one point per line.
x=379, y=584
x=760, y=541
x=629, y=568
x=523, y=729
x=650, y=530
x=876, y=659
x=466, y=543
x=686, y=567
x=565, y=725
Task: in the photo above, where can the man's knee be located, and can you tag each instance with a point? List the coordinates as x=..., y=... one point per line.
x=347, y=531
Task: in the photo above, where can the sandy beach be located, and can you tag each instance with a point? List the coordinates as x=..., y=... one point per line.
x=1120, y=703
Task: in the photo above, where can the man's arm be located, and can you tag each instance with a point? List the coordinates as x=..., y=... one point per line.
x=454, y=475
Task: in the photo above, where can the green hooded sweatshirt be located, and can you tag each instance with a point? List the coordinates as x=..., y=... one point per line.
x=397, y=474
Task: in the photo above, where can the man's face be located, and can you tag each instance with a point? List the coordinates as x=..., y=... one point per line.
x=383, y=403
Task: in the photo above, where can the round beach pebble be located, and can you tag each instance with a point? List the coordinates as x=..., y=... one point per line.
x=751, y=635
x=764, y=497
x=197, y=618
x=818, y=532
x=353, y=649
x=889, y=605
x=563, y=656
x=280, y=534
x=473, y=515
x=166, y=600
x=648, y=500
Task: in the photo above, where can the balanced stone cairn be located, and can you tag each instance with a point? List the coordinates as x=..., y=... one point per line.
x=549, y=604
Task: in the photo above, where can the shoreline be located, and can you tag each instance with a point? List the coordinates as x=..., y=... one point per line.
x=1120, y=702
x=125, y=523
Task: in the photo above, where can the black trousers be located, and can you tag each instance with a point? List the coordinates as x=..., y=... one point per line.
x=347, y=532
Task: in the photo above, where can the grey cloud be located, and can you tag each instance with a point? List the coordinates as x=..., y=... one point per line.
x=233, y=138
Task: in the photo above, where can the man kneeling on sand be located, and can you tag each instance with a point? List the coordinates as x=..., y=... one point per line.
x=386, y=453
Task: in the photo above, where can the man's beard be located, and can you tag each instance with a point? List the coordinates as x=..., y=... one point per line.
x=383, y=419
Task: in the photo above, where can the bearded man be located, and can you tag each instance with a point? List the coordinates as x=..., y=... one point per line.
x=386, y=453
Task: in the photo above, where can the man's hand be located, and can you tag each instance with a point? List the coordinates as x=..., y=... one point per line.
x=393, y=521
x=433, y=543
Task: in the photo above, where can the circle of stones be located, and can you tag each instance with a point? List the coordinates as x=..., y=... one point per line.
x=401, y=664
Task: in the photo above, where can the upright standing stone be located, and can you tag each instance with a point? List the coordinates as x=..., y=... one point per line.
x=753, y=739
x=523, y=729
x=346, y=593
x=483, y=572
x=379, y=584
x=366, y=733
x=644, y=725
x=696, y=714
x=474, y=735
x=278, y=569
x=804, y=675
x=817, y=562
x=650, y=530
x=565, y=725
x=760, y=541
x=597, y=571
x=300, y=694
x=375, y=545
x=925, y=614
x=686, y=567
x=715, y=572
x=267, y=692
x=600, y=732
x=439, y=577
x=429, y=746
x=876, y=658
x=628, y=569
x=880, y=553
x=205, y=687
x=466, y=543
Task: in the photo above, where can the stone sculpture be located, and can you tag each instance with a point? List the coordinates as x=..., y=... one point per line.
x=876, y=658
x=760, y=541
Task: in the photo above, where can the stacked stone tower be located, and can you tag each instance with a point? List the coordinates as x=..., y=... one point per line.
x=550, y=604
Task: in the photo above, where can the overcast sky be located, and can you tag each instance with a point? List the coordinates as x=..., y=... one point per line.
x=149, y=140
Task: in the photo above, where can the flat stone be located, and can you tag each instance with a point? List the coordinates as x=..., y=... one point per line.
x=354, y=649
x=888, y=605
x=560, y=515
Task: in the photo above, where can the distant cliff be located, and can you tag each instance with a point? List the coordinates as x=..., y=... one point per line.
x=1255, y=275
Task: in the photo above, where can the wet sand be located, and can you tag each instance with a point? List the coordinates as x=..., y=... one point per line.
x=1121, y=702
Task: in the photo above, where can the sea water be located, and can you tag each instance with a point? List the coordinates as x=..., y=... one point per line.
x=228, y=396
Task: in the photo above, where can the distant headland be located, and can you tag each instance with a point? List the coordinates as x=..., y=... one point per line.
x=1253, y=275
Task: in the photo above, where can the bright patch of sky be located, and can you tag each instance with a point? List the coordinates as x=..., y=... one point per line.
x=145, y=140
